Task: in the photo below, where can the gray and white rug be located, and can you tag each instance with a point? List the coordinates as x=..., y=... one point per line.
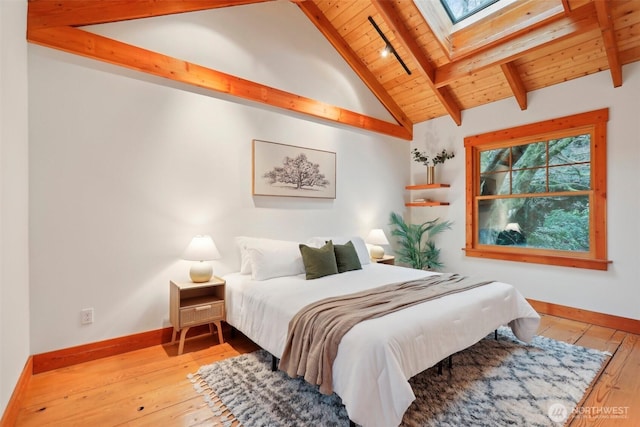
x=493, y=383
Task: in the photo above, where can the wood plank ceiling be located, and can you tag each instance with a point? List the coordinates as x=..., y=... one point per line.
x=527, y=46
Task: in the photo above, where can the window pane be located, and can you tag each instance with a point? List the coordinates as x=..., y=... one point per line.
x=570, y=178
x=494, y=160
x=495, y=183
x=529, y=155
x=560, y=223
x=530, y=181
x=574, y=149
x=460, y=9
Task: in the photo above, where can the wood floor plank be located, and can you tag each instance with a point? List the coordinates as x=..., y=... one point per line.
x=565, y=330
x=91, y=375
x=601, y=338
x=125, y=385
x=615, y=398
x=149, y=387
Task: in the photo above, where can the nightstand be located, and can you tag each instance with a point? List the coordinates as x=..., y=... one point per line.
x=386, y=259
x=192, y=304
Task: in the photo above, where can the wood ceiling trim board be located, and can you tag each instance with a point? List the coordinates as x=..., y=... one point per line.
x=580, y=21
x=331, y=34
x=364, y=41
x=349, y=19
x=628, y=56
x=628, y=37
x=587, y=51
x=437, y=24
x=331, y=9
x=101, y=48
x=565, y=72
x=552, y=52
x=603, y=10
x=624, y=14
x=521, y=17
x=404, y=37
x=54, y=13
x=515, y=82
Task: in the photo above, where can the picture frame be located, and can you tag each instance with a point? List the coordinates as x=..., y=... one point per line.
x=292, y=171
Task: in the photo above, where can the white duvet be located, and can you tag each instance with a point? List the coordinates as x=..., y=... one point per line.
x=377, y=357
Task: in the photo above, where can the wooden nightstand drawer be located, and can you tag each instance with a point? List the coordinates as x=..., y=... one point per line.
x=202, y=313
x=192, y=304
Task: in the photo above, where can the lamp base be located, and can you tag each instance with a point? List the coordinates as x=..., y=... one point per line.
x=376, y=252
x=201, y=272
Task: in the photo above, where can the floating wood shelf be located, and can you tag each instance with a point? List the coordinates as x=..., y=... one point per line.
x=427, y=204
x=426, y=186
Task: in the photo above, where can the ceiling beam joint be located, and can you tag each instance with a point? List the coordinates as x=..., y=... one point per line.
x=603, y=10
x=404, y=37
x=515, y=82
x=317, y=17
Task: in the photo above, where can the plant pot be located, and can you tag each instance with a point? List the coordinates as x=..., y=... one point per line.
x=431, y=174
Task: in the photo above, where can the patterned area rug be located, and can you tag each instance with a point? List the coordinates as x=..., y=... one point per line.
x=493, y=383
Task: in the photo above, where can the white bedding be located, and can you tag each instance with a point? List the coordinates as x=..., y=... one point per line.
x=377, y=357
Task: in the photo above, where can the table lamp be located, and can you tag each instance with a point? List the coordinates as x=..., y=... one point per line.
x=376, y=237
x=201, y=249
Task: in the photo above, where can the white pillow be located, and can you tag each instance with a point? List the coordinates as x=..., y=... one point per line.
x=274, y=258
x=358, y=243
x=245, y=262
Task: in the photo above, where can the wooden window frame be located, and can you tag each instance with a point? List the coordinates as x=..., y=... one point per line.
x=595, y=123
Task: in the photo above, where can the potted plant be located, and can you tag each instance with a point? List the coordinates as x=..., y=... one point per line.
x=431, y=163
x=417, y=247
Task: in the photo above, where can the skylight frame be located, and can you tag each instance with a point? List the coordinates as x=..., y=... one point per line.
x=455, y=20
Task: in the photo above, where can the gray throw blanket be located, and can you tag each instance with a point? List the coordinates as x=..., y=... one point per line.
x=316, y=330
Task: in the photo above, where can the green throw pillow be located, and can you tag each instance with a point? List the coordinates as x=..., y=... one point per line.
x=319, y=262
x=347, y=257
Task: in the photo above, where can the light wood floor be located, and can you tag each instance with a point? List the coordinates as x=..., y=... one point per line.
x=149, y=387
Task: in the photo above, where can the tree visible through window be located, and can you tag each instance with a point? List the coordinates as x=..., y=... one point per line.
x=536, y=193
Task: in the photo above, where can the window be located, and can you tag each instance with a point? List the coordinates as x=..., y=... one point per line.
x=537, y=193
x=461, y=9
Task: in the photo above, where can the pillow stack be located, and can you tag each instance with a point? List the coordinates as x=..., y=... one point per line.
x=320, y=256
x=329, y=259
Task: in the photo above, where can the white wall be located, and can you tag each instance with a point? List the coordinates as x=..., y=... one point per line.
x=613, y=291
x=124, y=171
x=273, y=43
x=14, y=263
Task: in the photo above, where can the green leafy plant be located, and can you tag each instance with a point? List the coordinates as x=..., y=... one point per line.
x=417, y=247
x=440, y=158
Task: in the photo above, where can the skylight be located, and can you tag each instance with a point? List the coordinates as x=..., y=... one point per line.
x=462, y=9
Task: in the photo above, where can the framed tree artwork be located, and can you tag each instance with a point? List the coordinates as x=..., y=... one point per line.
x=287, y=170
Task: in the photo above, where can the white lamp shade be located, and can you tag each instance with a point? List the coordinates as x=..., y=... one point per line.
x=377, y=237
x=201, y=248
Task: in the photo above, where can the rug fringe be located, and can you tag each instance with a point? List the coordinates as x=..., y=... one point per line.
x=213, y=401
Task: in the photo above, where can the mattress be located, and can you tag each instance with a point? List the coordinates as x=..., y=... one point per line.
x=377, y=357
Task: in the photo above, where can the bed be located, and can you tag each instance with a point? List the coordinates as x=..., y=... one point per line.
x=377, y=357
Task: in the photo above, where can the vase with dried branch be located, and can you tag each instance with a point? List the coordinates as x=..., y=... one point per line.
x=431, y=162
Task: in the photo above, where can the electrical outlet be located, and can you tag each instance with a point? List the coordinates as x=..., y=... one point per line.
x=86, y=316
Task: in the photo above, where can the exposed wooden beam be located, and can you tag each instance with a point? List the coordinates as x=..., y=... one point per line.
x=104, y=49
x=517, y=18
x=515, y=82
x=580, y=21
x=603, y=10
x=323, y=24
x=55, y=13
x=393, y=20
